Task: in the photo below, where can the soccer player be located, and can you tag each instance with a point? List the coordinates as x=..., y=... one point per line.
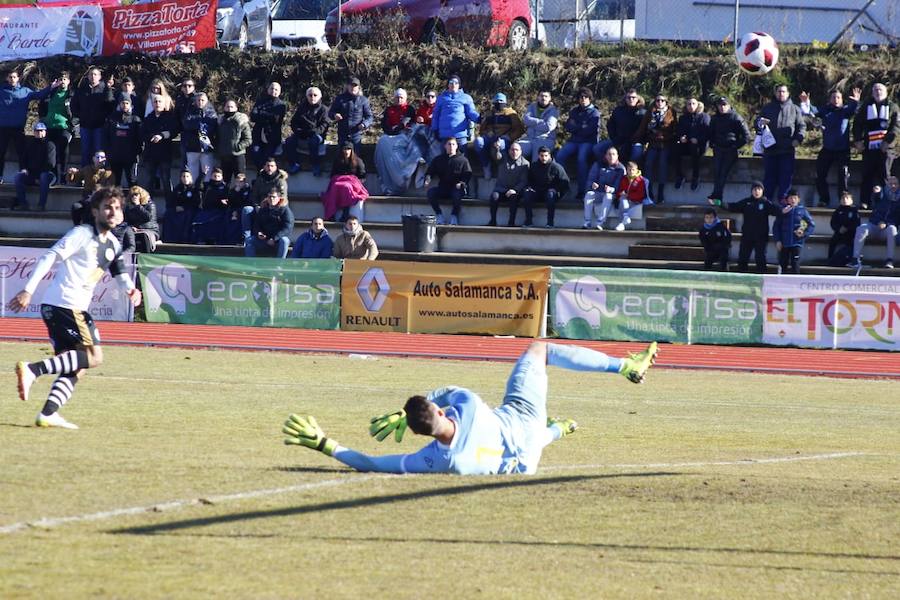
x=469, y=437
x=85, y=252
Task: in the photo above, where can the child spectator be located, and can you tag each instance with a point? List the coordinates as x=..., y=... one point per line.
x=844, y=222
x=791, y=229
x=181, y=205
x=632, y=192
x=314, y=242
x=209, y=224
x=716, y=240
x=756, y=209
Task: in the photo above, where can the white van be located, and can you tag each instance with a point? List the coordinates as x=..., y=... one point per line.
x=300, y=23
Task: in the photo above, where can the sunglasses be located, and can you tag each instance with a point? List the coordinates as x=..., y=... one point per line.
x=431, y=96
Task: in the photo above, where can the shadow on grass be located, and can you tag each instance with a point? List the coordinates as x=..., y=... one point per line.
x=29, y=426
x=341, y=470
x=505, y=483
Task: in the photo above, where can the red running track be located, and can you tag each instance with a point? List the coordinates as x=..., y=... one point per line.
x=835, y=363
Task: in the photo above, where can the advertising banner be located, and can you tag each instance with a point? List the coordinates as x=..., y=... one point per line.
x=674, y=306
x=27, y=33
x=16, y=266
x=443, y=298
x=167, y=27
x=261, y=292
x=832, y=312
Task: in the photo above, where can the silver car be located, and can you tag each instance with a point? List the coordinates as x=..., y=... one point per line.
x=244, y=23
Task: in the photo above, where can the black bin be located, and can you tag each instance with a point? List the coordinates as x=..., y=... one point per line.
x=419, y=233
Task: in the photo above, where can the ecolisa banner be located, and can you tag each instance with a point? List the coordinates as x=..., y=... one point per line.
x=16, y=266
x=832, y=312
x=167, y=27
x=443, y=298
x=675, y=306
x=27, y=33
x=261, y=292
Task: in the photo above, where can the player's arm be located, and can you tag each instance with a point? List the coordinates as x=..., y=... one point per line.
x=123, y=280
x=21, y=300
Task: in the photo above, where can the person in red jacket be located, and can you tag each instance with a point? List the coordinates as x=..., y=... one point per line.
x=633, y=191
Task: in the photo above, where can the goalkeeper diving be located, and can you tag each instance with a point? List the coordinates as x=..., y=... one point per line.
x=469, y=437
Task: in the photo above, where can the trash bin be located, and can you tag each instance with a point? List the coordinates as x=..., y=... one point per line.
x=419, y=233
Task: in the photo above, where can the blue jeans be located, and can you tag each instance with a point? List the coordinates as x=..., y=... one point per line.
x=584, y=152
x=632, y=152
x=549, y=197
x=656, y=167
x=436, y=194
x=247, y=213
x=23, y=179
x=292, y=148
x=91, y=141
x=484, y=146
x=255, y=245
x=778, y=174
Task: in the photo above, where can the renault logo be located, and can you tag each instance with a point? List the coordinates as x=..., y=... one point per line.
x=373, y=299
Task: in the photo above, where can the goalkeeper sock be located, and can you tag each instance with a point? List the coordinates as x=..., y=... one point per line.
x=63, y=364
x=578, y=358
x=60, y=392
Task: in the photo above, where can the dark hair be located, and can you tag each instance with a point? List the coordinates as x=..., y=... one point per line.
x=420, y=416
x=104, y=193
x=351, y=161
x=271, y=159
x=543, y=149
x=710, y=211
x=792, y=192
x=586, y=92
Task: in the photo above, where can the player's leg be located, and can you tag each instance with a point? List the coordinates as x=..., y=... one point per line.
x=579, y=358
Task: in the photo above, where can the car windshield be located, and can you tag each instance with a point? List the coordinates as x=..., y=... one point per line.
x=227, y=3
x=304, y=10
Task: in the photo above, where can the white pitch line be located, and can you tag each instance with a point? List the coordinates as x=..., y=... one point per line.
x=45, y=523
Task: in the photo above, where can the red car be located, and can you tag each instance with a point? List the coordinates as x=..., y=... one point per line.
x=482, y=22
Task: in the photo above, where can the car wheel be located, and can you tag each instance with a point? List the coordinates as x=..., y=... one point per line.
x=517, y=39
x=267, y=43
x=432, y=32
x=243, y=36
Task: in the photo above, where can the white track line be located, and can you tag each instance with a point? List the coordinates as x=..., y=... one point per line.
x=46, y=523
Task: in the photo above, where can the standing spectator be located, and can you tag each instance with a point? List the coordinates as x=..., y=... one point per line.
x=314, y=242
x=603, y=180
x=691, y=138
x=396, y=153
x=123, y=142
x=352, y=113
x=268, y=116
x=756, y=209
x=347, y=189
x=809, y=110
x=512, y=180
x=157, y=132
x=835, y=117
x=728, y=133
x=788, y=128
x=272, y=227
x=181, y=206
x=541, y=119
x=158, y=88
x=39, y=167
x=882, y=225
x=140, y=214
x=876, y=131
x=792, y=227
x=92, y=103
x=844, y=223
x=621, y=127
x=583, y=127
x=184, y=100
x=633, y=191
x=199, y=136
x=355, y=242
x=453, y=173
x=14, y=101
x=234, y=139
x=308, y=126
x=56, y=113
x=547, y=183
x=716, y=241
x=498, y=129
x=454, y=114
x=92, y=177
x=657, y=130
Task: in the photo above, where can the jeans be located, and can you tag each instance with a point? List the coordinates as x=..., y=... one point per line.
x=198, y=162
x=16, y=135
x=61, y=139
x=824, y=161
x=247, y=213
x=789, y=259
x=91, y=141
x=549, y=197
x=254, y=246
x=436, y=194
x=591, y=200
x=484, y=148
x=694, y=152
x=723, y=161
x=232, y=165
x=584, y=152
x=778, y=174
x=656, y=167
x=496, y=199
x=530, y=147
x=24, y=179
x=129, y=169
x=313, y=143
x=871, y=230
x=153, y=170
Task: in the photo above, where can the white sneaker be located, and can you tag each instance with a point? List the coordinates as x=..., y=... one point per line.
x=620, y=227
x=440, y=219
x=454, y=220
x=54, y=420
x=586, y=225
x=24, y=379
x=599, y=227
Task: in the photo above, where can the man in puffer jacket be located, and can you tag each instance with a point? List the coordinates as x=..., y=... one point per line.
x=785, y=120
x=355, y=242
x=454, y=114
x=541, y=119
x=272, y=227
x=267, y=115
x=498, y=129
x=234, y=139
x=352, y=113
x=583, y=127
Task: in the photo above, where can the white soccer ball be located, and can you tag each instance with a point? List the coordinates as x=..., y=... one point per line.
x=756, y=53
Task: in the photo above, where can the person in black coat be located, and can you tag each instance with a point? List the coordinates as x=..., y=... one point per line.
x=309, y=126
x=728, y=133
x=123, y=142
x=39, y=167
x=844, y=221
x=267, y=116
x=199, y=136
x=273, y=224
x=621, y=126
x=140, y=214
x=453, y=173
x=691, y=138
x=756, y=209
x=548, y=182
x=181, y=206
x=209, y=223
x=157, y=132
x=92, y=103
x=716, y=240
x=351, y=111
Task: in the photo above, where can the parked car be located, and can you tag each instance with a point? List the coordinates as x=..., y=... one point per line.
x=244, y=23
x=300, y=23
x=482, y=22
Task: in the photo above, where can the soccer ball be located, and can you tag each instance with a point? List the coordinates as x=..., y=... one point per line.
x=756, y=53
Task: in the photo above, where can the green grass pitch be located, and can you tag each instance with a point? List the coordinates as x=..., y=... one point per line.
x=693, y=485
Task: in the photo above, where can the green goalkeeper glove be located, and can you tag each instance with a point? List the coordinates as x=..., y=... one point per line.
x=306, y=432
x=381, y=427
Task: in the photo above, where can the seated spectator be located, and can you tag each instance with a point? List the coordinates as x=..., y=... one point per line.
x=633, y=191
x=540, y=120
x=547, y=183
x=788, y=129
x=123, y=143
x=454, y=114
x=16, y=100
x=835, y=124
x=657, y=130
x=39, y=165
x=234, y=139
x=583, y=127
x=125, y=234
x=728, y=133
x=238, y=199
x=621, y=127
x=453, y=172
x=55, y=112
x=844, y=223
x=157, y=131
x=396, y=154
x=91, y=178
x=424, y=137
x=716, y=241
x=792, y=227
x=272, y=227
x=199, y=137
x=268, y=177
x=140, y=214
x=158, y=88
x=352, y=113
x=308, y=128
x=756, y=209
x=512, y=180
x=209, y=223
x=498, y=129
x=267, y=115
x=603, y=181
x=314, y=242
x=181, y=206
x=882, y=225
x=691, y=137
x=354, y=242
x=346, y=190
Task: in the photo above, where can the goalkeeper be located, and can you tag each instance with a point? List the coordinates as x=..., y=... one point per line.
x=469, y=437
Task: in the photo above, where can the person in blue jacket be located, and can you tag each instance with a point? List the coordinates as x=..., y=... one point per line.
x=791, y=229
x=14, y=101
x=314, y=242
x=352, y=113
x=835, y=118
x=454, y=114
x=583, y=127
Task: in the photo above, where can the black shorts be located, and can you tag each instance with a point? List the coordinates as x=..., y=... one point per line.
x=69, y=329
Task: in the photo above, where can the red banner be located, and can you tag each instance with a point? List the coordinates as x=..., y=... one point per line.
x=167, y=27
